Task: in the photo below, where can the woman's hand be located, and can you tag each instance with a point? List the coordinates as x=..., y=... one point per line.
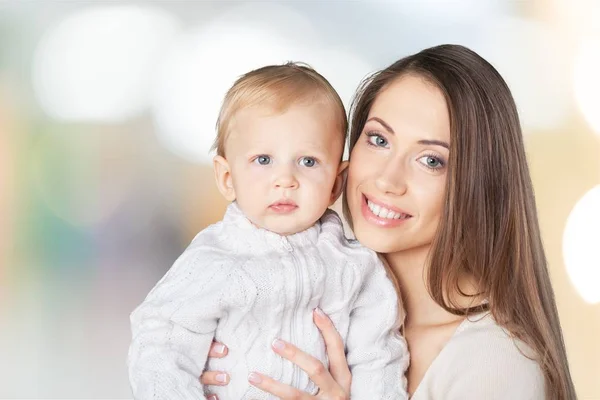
x=218, y=378
x=333, y=383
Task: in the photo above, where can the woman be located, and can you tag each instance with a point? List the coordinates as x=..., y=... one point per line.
x=436, y=137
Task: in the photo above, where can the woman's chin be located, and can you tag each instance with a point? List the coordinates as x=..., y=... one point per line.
x=379, y=243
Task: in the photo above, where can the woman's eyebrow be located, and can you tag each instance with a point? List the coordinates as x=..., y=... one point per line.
x=435, y=143
x=382, y=123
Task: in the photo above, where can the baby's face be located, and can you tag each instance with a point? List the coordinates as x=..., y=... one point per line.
x=284, y=166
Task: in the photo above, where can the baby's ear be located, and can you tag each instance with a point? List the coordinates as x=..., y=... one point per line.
x=340, y=181
x=223, y=178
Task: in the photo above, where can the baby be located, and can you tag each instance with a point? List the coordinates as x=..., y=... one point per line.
x=276, y=256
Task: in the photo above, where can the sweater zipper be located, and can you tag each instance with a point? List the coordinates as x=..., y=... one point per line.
x=299, y=288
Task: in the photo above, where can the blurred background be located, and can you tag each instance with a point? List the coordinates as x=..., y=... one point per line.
x=107, y=112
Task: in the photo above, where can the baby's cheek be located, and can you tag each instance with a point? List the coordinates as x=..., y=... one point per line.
x=319, y=186
x=323, y=176
x=318, y=189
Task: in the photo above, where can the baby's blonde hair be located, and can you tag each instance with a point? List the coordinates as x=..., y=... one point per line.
x=278, y=87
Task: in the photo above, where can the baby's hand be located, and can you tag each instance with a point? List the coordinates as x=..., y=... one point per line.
x=218, y=378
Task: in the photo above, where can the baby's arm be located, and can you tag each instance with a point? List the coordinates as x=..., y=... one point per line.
x=174, y=327
x=377, y=354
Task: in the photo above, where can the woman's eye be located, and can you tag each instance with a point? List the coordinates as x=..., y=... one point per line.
x=263, y=160
x=377, y=140
x=308, y=162
x=431, y=162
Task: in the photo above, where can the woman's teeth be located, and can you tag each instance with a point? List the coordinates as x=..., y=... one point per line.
x=383, y=212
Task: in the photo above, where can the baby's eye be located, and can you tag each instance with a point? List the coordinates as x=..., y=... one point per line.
x=263, y=160
x=308, y=162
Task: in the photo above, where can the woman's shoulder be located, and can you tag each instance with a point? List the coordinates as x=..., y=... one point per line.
x=483, y=360
x=482, y=333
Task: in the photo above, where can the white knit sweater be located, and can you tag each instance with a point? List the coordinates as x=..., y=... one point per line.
x=246, y=286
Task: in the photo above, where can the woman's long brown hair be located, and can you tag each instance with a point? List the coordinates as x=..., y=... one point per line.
x=490, y=229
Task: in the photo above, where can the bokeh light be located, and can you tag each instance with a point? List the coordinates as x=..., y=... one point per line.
x=97, y=64
x=581, y=246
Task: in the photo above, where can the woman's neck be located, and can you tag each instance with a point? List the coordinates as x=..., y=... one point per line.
x=421, y=310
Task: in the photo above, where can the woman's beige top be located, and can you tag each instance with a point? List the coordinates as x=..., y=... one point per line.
x=481, y=361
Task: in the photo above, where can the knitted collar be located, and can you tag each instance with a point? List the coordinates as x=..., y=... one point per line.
x=262, y=240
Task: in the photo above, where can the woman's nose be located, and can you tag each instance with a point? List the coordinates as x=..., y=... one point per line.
x=391, y=178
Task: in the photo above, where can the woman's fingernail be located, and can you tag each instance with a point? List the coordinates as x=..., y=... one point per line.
x=254, y=378
x=221, y=378
x=278, y=344
x=220, y=348
x=212, y=397
x=320, y=312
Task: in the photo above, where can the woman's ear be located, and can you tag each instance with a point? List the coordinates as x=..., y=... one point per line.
x=340, y=182
x=223, y=178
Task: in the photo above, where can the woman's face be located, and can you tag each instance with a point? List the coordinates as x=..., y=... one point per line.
x=398, y=167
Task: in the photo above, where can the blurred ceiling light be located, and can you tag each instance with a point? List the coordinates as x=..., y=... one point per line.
x=528, y=55
x=587, y=82
x=581, y=250
x=97, y=64
x=204, y=64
